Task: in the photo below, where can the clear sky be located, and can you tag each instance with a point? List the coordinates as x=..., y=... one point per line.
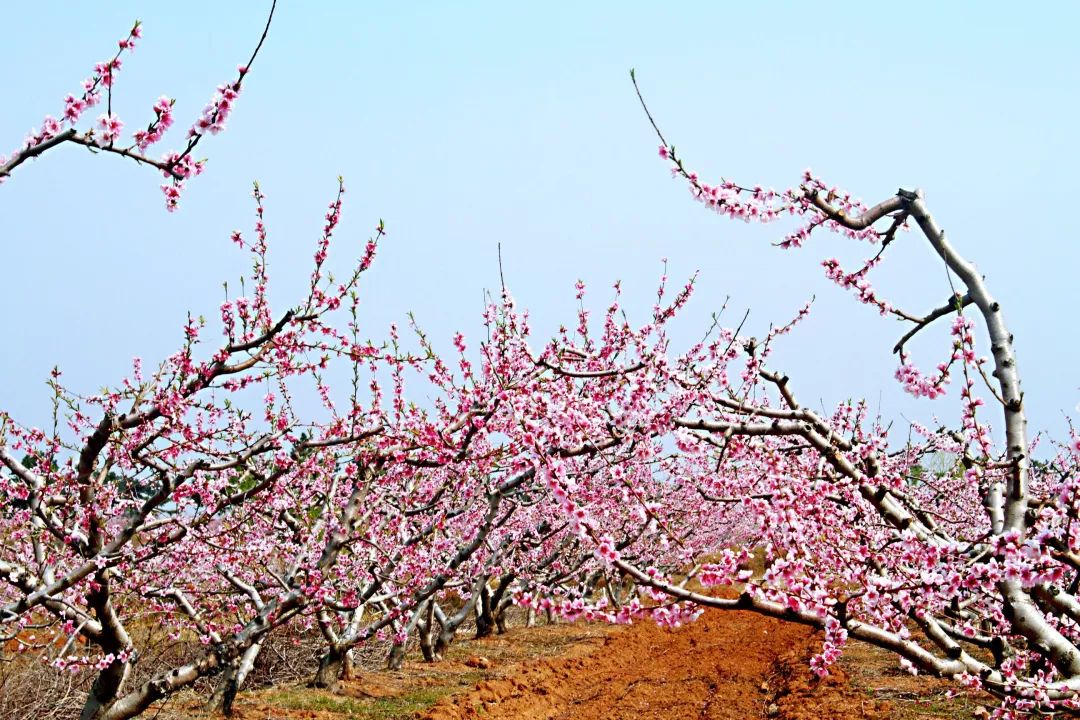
x=465, y=125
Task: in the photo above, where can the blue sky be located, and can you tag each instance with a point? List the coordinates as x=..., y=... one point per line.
x=465, y=125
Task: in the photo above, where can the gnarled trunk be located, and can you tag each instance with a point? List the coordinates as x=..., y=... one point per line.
x=396, y=656
x=397, y=652
x=348, y=667
x=104, y=691
x=426, y=631
x=113, y=639
x=500, y=601
x=450, y=624
x=500, y=615
x=331, y=668
x=232, y=679
x=485, y=620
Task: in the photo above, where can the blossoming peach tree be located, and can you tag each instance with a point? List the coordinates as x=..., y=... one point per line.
x=193, y=496
x=196, y=497
x=956, y=552
x=597, y=475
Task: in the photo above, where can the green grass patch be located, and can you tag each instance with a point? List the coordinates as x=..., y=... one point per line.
x=390, y=708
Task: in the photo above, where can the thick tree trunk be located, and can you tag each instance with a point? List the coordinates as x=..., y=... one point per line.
x=500, y=615
x=396, y=657
x=426, y=630
x=500, y=601
x=331, y=666
x=105, y=691
x=102, y=694
x=449, y=625
x=427, y=648
x=348, y=667
x=442, y=642
x=221, y=701
x=397, y=652
x=232, y=679
x=114, y=639
x=485, y=620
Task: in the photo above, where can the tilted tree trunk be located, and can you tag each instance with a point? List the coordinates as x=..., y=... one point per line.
x=232, y=679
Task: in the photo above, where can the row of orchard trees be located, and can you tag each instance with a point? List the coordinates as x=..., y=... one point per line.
x=591, y=476
x=193, y=494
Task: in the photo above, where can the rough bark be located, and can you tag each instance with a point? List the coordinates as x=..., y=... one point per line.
x=485, y=620
x=426, y=632
x=113, y=638
x=232, y=679
x=331, y=669
x=396, y=657
x=500, y=601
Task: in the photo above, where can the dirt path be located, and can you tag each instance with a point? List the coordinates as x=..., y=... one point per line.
x=727, y=665
x=731, y=665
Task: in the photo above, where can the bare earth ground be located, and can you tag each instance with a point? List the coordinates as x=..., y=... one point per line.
x=729, y=665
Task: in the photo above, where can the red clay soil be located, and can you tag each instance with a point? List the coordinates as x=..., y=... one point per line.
x=725, y=666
